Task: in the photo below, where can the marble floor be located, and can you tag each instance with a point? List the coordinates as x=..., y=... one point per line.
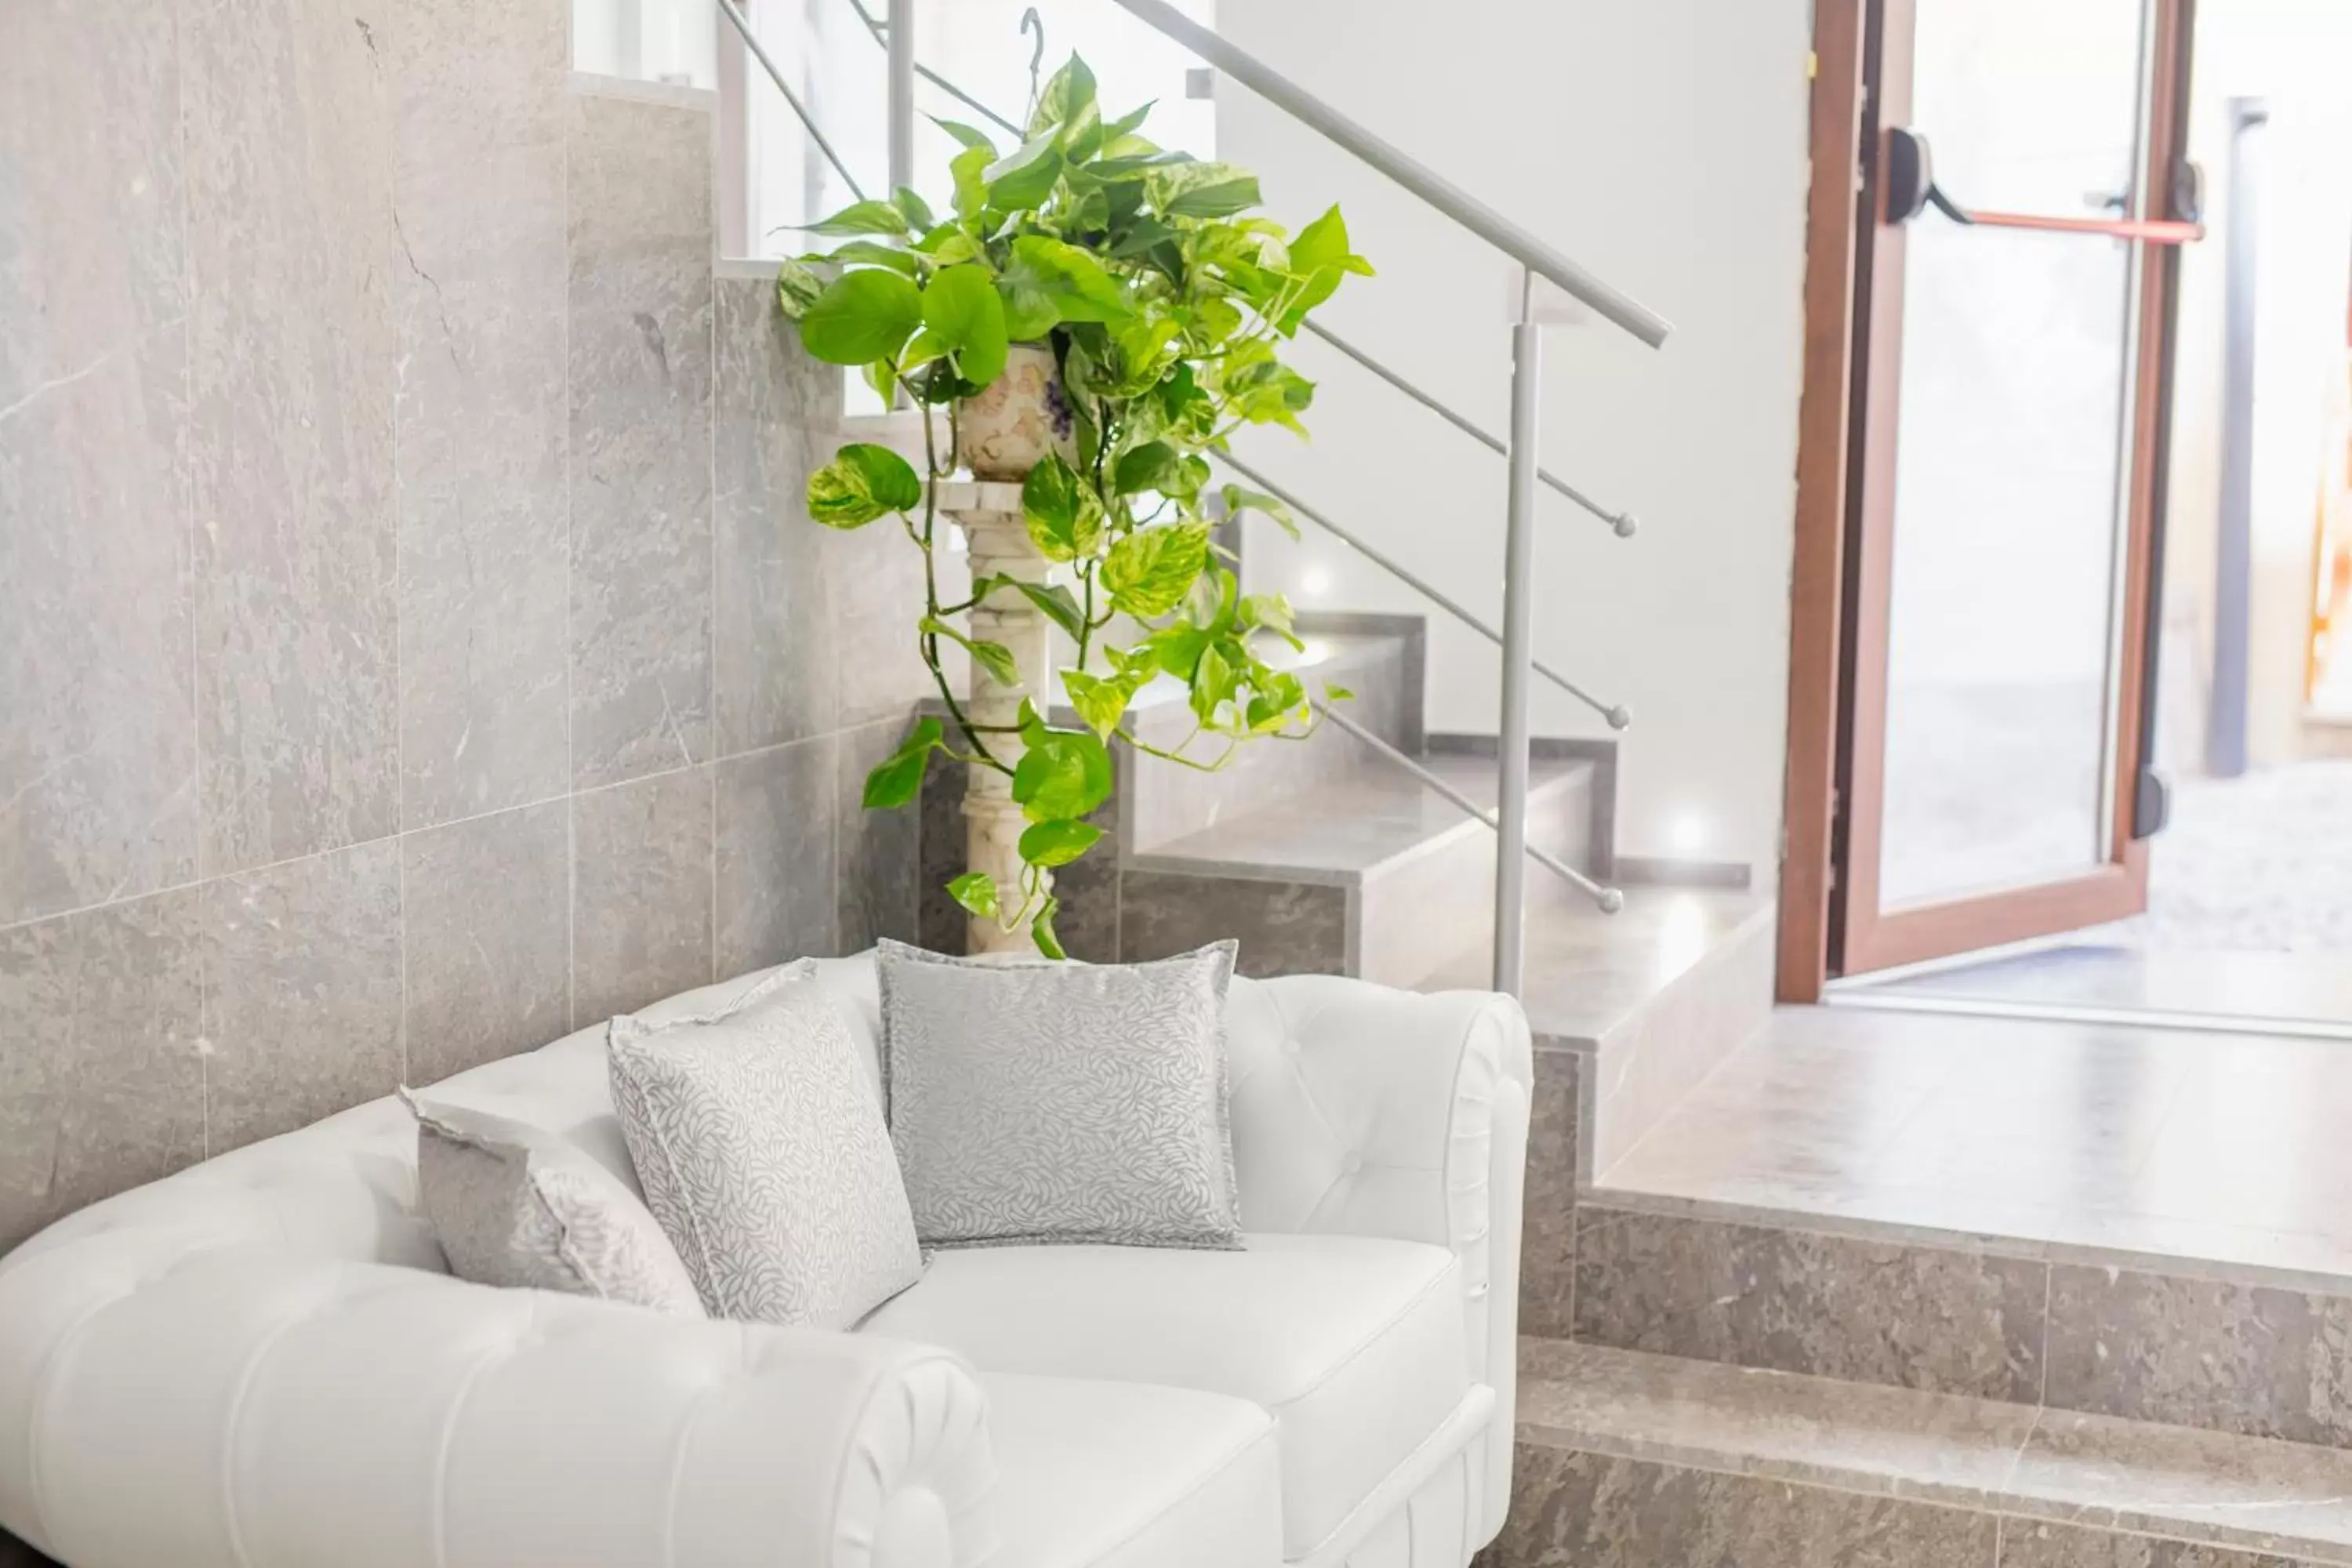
x=2294, y=990
x=2249, y=913
x=2137, y=1141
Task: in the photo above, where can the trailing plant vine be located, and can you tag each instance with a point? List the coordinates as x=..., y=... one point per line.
x=1164, y=299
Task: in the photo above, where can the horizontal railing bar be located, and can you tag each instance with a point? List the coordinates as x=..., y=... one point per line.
x=1614, y=713
x=1622, y=521
x=1610, y=899
x=1430, y=186
x=880, y=31
x=808, y=121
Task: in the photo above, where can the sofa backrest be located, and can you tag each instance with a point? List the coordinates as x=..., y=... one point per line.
x=345, y=1188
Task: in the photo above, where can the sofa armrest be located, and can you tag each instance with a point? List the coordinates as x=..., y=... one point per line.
x=1364, y=1110
x=239, y=1407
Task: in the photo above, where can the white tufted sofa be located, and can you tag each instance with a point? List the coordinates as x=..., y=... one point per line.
x=260, y=1363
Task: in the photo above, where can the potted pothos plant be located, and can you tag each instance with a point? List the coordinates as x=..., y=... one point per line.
x=1097, y=317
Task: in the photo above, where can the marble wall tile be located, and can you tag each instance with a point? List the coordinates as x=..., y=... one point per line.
x=301, y=990
x=102, y=1080
x=640, y=310
x=873, y=578
x=292, y=351
x=486, y=912
x=940, y=920
x=2256, y=1360
x=776, y=821
x=774, y=652
x=2026, y=1544
x=97, y=668
x=1284, y=927
x=1943, y=1320
x=477, y=281
x=1547, y=1223
x=641, y=890
x=877, y=860
x=1576, y=1510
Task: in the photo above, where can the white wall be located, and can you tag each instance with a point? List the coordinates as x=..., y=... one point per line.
x=2295, y=54
x=1663, y=145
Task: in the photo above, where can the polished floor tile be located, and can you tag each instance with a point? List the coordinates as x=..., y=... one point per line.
x=2092, y=974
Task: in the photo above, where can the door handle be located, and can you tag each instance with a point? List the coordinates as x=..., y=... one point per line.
x=1911, y=189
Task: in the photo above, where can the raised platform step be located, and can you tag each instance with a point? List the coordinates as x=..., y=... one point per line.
x=1628, y=1460
x=2140, y=1223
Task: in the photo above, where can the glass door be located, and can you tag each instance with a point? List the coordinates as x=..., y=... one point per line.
x=2009, y=378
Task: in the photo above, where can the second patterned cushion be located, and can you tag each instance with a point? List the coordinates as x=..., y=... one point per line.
x=763, y=1155
x=1061, y=1102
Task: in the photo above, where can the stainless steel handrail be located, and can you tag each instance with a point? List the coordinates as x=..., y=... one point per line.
x=1614, y=712
x=1609, y=898
x=1431, y=188
x=808, y=121
x=1625, y=522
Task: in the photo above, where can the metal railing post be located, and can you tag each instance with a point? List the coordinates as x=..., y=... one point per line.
x=902, y=94
x=1519, y=653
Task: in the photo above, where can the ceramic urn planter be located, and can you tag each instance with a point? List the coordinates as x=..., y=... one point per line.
x=1021, y=415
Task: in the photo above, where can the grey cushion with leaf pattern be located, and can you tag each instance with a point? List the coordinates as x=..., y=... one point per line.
x=525, y=1208
x=1035, y=1101
x=762, y=1151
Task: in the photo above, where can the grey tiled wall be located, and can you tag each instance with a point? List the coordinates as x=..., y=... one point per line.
x=411, y=643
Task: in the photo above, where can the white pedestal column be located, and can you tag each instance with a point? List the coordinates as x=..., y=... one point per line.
x=998, y=543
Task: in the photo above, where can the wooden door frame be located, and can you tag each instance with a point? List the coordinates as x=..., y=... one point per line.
x=1834, y=235
x=1832, y=612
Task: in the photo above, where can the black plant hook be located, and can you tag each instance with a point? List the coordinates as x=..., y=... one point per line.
x=1032, y=23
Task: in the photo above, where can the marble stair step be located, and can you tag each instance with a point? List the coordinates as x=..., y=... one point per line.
x=1648, y=1000
x=1162, y=801
x=1626, y=1459
x=1366, y=822
x=1413, y=872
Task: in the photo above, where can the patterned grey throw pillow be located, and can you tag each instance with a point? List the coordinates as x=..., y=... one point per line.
x=763, y=1155
x=1061, y=1102
x=523, y=1208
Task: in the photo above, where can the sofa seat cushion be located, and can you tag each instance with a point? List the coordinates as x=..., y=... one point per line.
x=1125, y=1475
x=1354, y=1344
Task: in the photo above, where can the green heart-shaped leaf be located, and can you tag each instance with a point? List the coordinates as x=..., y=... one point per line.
x=1052, y=844
x=1064, y=773
x=863, y=482
x=862, y=317
x=963, y=312
x=1149, y=571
